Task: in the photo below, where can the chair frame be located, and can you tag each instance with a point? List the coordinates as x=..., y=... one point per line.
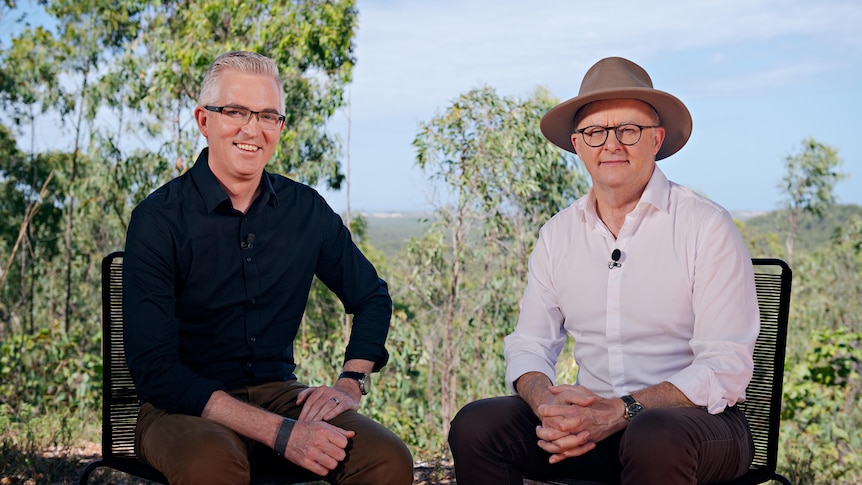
x=762, y=406
x=120, y=403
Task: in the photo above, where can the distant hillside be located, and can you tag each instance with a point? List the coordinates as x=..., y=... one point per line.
x=389, y=231
x=813, y=232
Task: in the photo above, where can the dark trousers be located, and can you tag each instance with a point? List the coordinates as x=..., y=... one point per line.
x=493, y=441
x=191, y=449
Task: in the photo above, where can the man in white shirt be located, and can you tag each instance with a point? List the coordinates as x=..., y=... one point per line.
x=655, y=286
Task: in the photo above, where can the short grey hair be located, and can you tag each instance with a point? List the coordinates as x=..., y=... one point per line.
x=241, y=61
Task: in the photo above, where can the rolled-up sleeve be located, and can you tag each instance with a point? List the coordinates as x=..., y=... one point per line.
x=539, y=337
x=727, y=321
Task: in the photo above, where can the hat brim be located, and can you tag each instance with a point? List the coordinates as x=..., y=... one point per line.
x=558, y=124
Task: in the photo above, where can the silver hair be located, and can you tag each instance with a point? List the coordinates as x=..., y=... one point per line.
x=241, y=61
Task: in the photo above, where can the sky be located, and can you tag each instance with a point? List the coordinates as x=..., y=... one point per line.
x=759, y=76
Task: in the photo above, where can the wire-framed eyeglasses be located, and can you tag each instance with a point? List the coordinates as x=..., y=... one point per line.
x=240, y=115
x=627, y=134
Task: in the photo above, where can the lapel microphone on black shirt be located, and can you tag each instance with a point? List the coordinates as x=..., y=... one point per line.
x=615, y=257
x=248, y=243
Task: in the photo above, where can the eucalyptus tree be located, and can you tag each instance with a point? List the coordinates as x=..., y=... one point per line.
x=120, y=78
x=499, y=179
x=310, y=41
x=28, y=87
x=808, y=182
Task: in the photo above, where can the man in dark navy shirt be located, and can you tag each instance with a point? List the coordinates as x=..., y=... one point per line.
x=217, y=271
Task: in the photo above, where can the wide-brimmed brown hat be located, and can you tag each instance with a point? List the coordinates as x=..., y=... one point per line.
x=618, y=78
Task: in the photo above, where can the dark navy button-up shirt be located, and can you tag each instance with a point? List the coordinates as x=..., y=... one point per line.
x=213, y=298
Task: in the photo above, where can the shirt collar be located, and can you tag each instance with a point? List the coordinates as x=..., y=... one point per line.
x=656, y=194
x=213, y=193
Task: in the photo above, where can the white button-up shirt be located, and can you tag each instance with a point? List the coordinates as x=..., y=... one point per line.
x=680, y=307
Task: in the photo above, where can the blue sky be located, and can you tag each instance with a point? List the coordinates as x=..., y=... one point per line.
x=758, y=76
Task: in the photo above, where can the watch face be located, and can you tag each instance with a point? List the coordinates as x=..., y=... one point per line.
x=364, y=384
x=633, y=409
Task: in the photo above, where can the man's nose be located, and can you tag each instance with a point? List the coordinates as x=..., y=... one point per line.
x=612, y=142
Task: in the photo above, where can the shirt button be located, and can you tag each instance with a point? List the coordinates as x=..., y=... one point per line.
x=248, y=259
x=253, y=301
x=248, y=365
x=253, y=339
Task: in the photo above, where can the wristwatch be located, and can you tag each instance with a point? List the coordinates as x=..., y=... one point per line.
x=362, y=378
x=632, y=407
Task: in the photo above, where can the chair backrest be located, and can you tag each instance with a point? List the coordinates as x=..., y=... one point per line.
x=120, y=405
x=762, y=404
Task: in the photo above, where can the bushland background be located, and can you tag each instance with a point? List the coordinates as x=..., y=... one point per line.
x=120, y=77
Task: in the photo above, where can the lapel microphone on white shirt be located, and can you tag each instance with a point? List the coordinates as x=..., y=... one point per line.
x=615, y=259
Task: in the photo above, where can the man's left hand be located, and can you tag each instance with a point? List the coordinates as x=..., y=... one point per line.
x=324, y=403
x=576, y=421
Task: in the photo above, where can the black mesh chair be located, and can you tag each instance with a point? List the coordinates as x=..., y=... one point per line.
x=762, y=406
x=120, y=404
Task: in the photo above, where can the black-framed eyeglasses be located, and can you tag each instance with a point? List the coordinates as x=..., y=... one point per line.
x=240, y=115
x=627, y=134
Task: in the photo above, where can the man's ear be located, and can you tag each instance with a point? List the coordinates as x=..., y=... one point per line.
x=201, y=118
x=658, y=138
x=575, y=143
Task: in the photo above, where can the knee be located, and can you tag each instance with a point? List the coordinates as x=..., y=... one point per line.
x=376, y=456
x=395, y=458
x=463, y=430
x=211, y=461
x=475, y=426
x=655, y=435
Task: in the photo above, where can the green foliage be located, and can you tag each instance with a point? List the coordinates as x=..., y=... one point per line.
x=808, y=182
x=50, y=370
x=130, y=74
x=36, y=446
x=821, y=413
x=463, y=278
x=764, y=233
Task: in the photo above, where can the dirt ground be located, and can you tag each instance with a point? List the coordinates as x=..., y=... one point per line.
x=64, y=466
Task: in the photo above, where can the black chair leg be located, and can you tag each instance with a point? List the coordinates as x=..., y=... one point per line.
x=87, y=471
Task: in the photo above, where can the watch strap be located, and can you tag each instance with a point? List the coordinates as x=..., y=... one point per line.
x=359, y=377
x=633, y=407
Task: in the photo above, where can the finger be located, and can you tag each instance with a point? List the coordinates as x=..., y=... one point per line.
x=313, y=411
x=328, y=461
x=571, y=423
x=340, y=407
x=316, y=405
x=561, y=410
x=578, y=451
x=566, y=444
x=546, y=433
x=577, y=397
x=303, y=394
x=341, y=436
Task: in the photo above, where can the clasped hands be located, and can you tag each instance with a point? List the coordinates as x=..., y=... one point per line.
x=315, y=444
x=575, y=420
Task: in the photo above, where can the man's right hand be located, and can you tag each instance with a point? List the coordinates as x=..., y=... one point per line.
x=317, y=446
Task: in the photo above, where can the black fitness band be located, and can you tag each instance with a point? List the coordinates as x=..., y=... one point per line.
x=282, y=436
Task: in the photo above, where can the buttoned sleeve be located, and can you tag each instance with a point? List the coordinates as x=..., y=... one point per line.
x=347, y=272
x=150, y=322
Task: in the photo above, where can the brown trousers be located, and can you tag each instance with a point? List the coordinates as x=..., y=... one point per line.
x=194, y=450
x=494, y=442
